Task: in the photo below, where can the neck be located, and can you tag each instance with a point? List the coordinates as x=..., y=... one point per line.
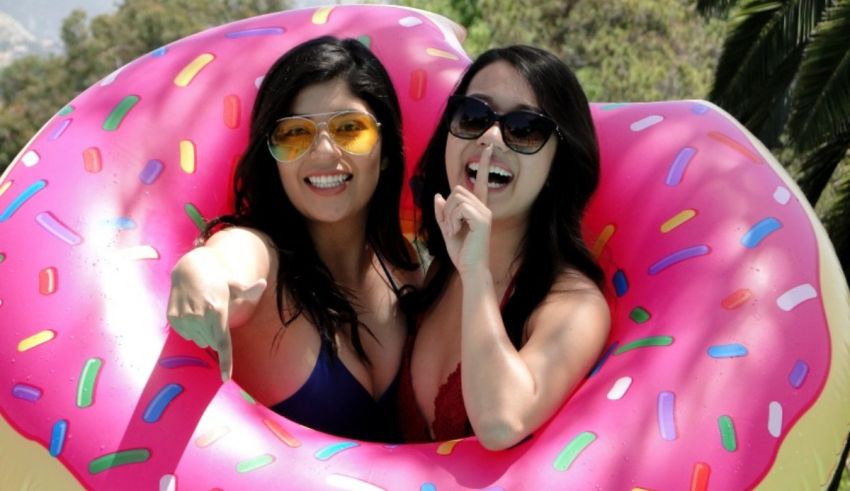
x=505, y=241
x=342, y=247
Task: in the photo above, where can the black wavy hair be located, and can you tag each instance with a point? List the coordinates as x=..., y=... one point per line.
x=261, y=202
x=552, y=239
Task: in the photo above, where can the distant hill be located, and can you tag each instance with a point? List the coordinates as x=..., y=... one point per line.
x=43, y=18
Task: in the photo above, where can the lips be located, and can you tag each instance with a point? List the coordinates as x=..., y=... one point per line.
x=328, y=181
x=498, y=177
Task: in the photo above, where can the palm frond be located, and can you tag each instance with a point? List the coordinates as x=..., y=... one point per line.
x=820, y=164
x=715, y=7
x=822, y=93
x=837, y=222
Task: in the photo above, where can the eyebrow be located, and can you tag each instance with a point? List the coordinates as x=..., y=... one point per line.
x=518, y=107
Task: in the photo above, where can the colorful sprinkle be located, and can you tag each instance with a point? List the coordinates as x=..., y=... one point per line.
x=680, y=164
x=109, y=79
x=258, y=31
x=88, y=380
x=349, y=483
x=789, y=300
x=736, y=299
x=255, y=463
x=734, y=145
x=612, y=106
x=113, y=121
x=667, y=415
x=774, y=419
x=60, y=128
x=92, y=161
x=418, y=84
x=150, y=173
x=428, y=487
x=678, y=257
x=782, y=195
x=168, y=482
x=621, y=284
x=727, y=433
x=604, y=358
x=699, y=109
x=438, y=53
x=2, y=257
x=47, y=281
x=211, y=436
x=572, y=450
x=602, y=240
x=646, y=122
x=160, y=402
x=58, y=229
x=187, y=156
x=57, y=437
x=5, y=186
x=282, y=434
x=759, y=232
x=195, y=215
x=320, y=16
x=678, y=219
x=699, y=477
x=119, y=223
x=231, y=111
x=247, y=397
x=331, y=450
x=173, y=362
x=27, y=392
x=116, y=459
x=365, y=40
x=410, y=21
x=30, y=158
x=619, y=389
x=447, y=447
x=36, y=339
x=138, y=253
x=733, y=350
x=258, y=81
x=66, y=110
x=188, y=73
x=798, y=374
x=16, y=203
x=159, y=52
x=639, y=315
x=645, y=343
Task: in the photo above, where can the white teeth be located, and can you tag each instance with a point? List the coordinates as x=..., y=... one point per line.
x=493, y=170
x=326, y=182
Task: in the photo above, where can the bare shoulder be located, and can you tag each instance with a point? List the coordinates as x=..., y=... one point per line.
x=240, y=240
x=573, y=304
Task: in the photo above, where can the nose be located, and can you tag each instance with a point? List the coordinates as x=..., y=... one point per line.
x=493, y=136
x=324, y=143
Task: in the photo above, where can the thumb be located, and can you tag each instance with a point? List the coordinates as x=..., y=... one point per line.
x=440, y=213
x=252, y=293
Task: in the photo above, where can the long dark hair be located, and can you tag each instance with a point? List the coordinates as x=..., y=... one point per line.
x=552, y=239
x=261, y=202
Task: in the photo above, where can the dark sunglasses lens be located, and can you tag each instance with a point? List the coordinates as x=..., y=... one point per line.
x=470, y=118
x=526, y=132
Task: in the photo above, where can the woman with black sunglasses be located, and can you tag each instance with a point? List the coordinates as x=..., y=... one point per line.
x=512, y=316
x=300, y=295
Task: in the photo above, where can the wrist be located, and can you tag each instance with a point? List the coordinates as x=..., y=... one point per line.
x=478, y=276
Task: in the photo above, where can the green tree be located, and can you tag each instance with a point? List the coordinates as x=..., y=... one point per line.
x=33, y=88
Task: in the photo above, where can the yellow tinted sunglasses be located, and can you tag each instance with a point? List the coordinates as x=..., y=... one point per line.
x=354, y=132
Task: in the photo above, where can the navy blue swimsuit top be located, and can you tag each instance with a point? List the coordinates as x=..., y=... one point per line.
x=333, y=401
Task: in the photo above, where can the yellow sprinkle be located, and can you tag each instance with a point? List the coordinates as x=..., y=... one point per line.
x=603, y=238
x=187, y=156
x=4, y=187
x=441, y=54
x=212, y=436
x=320, y=16
x=186, y=75
x=446, y=448
x=138, y=253
x=36, y=339
x=680, y=218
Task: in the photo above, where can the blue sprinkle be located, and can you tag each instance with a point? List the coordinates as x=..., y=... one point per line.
x=159, y=52
x=260, y=31
x=57, y=437
x=151, y=171
x=603, y=359
x=680, y=163
x=120, y=223
x=331, y=450
x=678, y=257
x=182, y=361
x=612, y=106
x=699, y=109
x=759, y=231
x=727, y=350
x=160, y=402
x=20, y=200
x=621, y=284
x=60, y=129
x=798, y=374
x=428, y=487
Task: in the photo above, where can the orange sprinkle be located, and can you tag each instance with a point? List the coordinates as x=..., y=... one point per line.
x=212, y=436
x=5, y=186
x=446, y=448
x=231, y=111
x=91, y=160
x=699, y=478
x=730, y=142
x=418, y=81
x=603, y=239
x=736, y=299
x=47, y=281
x=282, y=434
x=439, y=53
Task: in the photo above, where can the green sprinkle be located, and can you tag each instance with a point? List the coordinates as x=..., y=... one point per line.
x=88, y=377
x=645, y=342
x=254, y=464
x=66, y=110
x=2, y=257
x=612, y=106
x=109, y=461
x=639, y=315
x=117, y=115
x=365, y=41
x=248, y=397
x=727, y=433
x=572, y=450
x=195, y=215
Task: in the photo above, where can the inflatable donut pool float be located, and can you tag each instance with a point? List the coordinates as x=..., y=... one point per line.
x=726, y=368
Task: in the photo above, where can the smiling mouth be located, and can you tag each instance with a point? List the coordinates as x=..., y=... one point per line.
x=497, y=178
x=328, y=181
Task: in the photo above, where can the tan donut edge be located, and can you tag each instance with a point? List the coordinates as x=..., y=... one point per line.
x=27, y=465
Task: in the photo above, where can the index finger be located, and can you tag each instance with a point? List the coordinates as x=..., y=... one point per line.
x=482, y=177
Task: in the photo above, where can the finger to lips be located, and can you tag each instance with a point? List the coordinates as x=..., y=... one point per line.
x=482, y=177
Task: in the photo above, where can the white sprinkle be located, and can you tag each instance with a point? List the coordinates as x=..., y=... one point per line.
x=138, y=253
x=258, y=81
x=349, y=483
x=30, y=158
x=410, y=21
x=168, y=482
x=111, y=77
x=795, y=296
x=774, y=419
x=782, y=195
x=618, y=390
x=646, y=122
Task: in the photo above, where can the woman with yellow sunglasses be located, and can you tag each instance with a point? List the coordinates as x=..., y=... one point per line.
x=300, y=295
